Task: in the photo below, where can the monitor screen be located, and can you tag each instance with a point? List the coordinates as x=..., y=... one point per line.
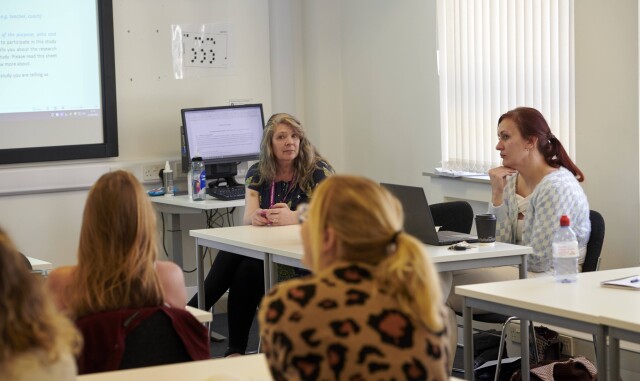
x=223, y=135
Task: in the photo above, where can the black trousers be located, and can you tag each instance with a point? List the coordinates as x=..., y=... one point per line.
x=244, y=278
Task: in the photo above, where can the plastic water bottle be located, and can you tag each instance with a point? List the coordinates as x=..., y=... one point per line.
x=198, y=179
x=565, y=253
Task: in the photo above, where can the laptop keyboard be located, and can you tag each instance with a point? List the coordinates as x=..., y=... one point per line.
x=235, y=192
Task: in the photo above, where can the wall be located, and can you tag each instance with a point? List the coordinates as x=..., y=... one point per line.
x=607, y=121
x=149, y=99
x=373, y=89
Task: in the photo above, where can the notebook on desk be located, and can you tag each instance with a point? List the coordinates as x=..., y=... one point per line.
x=418, y=220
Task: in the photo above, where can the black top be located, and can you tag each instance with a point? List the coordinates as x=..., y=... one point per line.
x=284, y=191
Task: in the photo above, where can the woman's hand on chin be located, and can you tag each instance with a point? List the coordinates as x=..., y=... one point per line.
x=498, y=178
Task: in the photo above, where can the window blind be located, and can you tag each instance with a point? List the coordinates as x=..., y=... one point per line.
x=493, y=56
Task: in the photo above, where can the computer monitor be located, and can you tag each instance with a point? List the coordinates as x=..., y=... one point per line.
x=223, y=136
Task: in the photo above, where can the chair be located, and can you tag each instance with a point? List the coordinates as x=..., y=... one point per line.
x=138, y=337
x=596, y=239
x=456, y=216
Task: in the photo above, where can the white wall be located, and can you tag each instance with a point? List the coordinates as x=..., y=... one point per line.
x=149, y=100
x=607, y=121
x=371, y=86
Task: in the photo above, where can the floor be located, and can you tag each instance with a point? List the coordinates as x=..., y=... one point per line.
x=220, y=326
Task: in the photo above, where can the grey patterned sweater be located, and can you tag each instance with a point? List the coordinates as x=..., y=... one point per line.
x=558, y=193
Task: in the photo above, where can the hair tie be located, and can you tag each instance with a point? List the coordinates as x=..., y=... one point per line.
x=394, y=237
x=393, y=243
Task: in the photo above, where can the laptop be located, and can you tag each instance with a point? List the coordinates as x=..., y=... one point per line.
x=418, y=220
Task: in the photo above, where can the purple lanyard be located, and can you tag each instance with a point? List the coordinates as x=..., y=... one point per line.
x=273, y=187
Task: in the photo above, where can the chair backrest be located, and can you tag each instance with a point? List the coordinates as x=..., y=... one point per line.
x=454, y=216
x=137, y=337
x=153, y=342
x=596, y=239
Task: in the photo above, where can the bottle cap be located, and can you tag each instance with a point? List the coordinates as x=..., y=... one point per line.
x=197, y=158
x=564, y=220
x=167, y=167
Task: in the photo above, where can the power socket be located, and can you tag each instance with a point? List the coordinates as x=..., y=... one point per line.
x=150, y=172
x=567, y=345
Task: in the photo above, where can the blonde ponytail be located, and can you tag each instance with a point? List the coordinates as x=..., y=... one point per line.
x=408, y=276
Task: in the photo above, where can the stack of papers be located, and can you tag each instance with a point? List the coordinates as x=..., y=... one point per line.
x=452, y=173
x=630, y=282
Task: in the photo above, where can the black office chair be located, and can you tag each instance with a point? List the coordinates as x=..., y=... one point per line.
x=596, y=240
x=458, y=216
x=139, y=337
x=455, y=216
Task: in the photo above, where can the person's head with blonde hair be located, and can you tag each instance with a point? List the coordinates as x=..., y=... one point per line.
x=352, y=218
x=117, y=249
x=304, y=163
x=28, y=319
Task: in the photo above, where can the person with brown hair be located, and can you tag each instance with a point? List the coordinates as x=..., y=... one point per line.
x=117, y=255
x=372, y=308
x=289, y=169
x=536, y=184
x=37, y=341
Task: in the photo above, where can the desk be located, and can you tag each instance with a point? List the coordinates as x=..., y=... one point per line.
x=39, y=265
x=245, y=368
x=283, y=245
x=620, y=313
x=201, y=315
x=177, y=205
x=576, y=306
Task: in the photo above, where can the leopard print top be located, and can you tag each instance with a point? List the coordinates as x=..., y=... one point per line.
x=334, y=326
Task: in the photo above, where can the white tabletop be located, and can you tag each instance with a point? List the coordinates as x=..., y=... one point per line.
x=241, y=368
x=39, y=265
x=185, y=202
x=202, y=315
x=583, y=305
x=620, y=308
x=285, y=241
x=585, y=300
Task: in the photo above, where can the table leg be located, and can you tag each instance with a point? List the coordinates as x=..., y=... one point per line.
x=524, y=349
x=523, y=267
x=173, y=227
x=610, y=362
x=268, y=265
x=200, y=274
x=467, y=315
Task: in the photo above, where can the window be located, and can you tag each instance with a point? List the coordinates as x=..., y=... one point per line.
x=495, y=55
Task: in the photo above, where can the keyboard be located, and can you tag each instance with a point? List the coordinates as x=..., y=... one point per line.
x=235, y=192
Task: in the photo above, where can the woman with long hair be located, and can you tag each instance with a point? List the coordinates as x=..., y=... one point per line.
x=289, y=169
x=38, y=342
x=372, y=307
x=536, y=184
x=117, y=254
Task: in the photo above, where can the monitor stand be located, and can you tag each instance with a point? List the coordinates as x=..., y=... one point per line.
x=224, y=182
